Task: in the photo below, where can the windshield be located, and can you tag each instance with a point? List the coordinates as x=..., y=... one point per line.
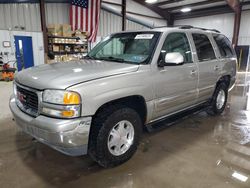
x=132, y=47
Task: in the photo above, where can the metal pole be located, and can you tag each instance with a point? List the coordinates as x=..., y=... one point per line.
x=236, y=7
x=43, y=26
x=124, y=6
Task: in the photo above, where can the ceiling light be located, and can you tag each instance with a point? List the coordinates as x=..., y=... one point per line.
x=186, y=10
x=151, y=1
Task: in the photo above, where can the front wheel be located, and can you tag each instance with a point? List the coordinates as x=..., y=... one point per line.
x=219, y=100
x=114, y=135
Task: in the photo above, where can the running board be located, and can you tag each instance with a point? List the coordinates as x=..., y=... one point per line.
x=175, y=118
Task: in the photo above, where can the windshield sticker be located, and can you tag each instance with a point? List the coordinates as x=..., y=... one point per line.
x=144, y=36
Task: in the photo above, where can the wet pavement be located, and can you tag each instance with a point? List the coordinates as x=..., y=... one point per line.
x=198, y=152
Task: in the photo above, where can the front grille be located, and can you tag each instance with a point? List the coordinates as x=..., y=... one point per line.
x=27, y=100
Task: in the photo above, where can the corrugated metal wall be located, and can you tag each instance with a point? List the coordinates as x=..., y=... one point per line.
x=57, y=13
x=28, y=16
x=244, y=35
x=134, y=26
x=224, y=23
x=14, y=16
x=111, y=23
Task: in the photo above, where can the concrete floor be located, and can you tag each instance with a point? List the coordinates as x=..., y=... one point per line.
x=198, y=152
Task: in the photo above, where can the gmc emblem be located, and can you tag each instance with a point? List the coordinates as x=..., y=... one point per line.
x=21, y=97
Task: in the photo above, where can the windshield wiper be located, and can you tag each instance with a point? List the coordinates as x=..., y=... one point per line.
x=110, y=58
x=88, y=57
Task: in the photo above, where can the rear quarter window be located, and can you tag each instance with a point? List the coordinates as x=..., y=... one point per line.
x=224, y=46
x=204, y=48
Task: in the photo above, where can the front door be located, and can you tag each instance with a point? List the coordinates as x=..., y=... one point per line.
x=176, y=86
x=24, y=52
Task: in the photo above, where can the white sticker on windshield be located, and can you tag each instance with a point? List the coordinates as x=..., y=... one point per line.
x=144, y=36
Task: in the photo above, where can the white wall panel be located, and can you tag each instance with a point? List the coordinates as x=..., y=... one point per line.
x=37, y=43
x=134, y=26
x=139, y=9
x=57, y=13
x=20, y=15
x=109, y=23
x=222, y=22
x=244, y=35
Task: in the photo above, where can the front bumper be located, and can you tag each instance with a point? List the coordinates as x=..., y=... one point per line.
x=68, y=136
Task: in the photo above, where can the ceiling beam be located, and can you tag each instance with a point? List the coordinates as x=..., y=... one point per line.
x=234, y=4
x=193, y=4
x=206, y=11
x=165, y=14
x=167, y=2
x=203, y=12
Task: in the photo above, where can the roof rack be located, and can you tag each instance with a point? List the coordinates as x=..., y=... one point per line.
x=201, y=28
x=189, y=27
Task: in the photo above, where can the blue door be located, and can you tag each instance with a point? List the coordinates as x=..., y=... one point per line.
x=24, y=52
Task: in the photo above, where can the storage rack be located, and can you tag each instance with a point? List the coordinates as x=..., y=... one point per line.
x=57, y=45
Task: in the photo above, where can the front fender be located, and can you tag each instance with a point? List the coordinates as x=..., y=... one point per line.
x=99, y=92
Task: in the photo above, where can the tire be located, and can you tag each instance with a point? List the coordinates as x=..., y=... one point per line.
x=219, y=100
x=105, y=124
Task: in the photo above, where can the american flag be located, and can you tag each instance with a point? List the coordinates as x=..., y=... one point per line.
x=84, y=15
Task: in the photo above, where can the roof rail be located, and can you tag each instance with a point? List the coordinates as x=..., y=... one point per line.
x=163, y=26
x=201, y=28
x=190, y=27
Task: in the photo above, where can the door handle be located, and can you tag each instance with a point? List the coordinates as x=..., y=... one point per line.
x=193, y=72
x=216, y=68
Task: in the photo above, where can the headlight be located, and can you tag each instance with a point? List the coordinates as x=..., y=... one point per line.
x=61, y=97
x=61, y=103
x=14, y=89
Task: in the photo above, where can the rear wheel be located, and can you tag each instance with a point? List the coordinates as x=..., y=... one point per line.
x=219, y=100
x=114, y=135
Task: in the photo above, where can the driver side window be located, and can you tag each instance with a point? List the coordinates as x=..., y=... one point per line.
x=178, y=42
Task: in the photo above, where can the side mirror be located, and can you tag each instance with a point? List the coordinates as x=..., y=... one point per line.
x=171, y=59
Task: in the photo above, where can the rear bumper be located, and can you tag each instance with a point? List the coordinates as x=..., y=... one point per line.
x=67, y=136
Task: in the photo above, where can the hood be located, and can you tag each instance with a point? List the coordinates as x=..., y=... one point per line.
x=63, y=75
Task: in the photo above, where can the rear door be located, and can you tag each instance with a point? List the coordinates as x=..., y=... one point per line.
x=208, y=65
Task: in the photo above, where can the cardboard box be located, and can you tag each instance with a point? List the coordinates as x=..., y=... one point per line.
x=66, y=30
x=56, y=48
x=54, y=29
x=50, y=61
x=81, y=34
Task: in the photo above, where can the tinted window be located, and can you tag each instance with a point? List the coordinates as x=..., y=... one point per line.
x=204, y=48
x=224, y=46
x=178, y=42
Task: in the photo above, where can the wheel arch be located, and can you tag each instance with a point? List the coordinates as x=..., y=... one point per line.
x=224, y=79
x=136, y=102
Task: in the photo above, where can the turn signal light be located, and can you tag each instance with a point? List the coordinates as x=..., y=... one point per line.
x=71, y=98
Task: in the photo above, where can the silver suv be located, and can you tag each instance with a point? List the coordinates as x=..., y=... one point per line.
x=100, y=105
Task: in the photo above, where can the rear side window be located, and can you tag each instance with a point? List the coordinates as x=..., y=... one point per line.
x=203, y=46
x=224, y=46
